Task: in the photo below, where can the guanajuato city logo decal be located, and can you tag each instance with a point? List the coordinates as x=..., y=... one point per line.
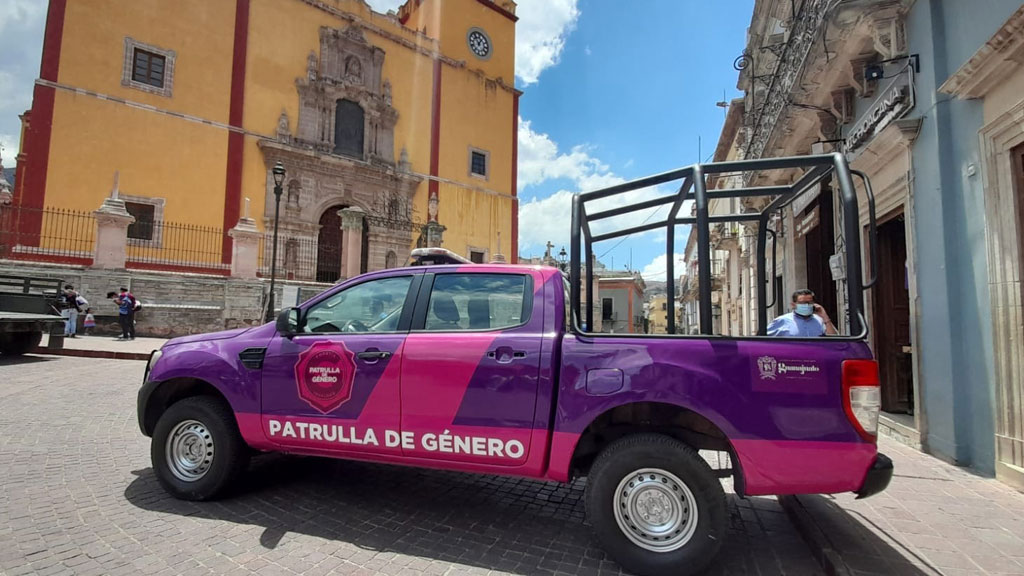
x=324, y=373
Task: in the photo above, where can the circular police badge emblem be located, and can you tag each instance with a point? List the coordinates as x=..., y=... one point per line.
x=324, y=374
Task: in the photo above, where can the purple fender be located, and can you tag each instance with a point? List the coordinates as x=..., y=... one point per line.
x=213, y=358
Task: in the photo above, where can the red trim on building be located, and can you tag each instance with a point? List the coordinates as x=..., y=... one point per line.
x=435, y=131
x=404, y=11
x=236, y=141
x=31, y=179
x=499, y=10
x=52, y=38
x=514, y=257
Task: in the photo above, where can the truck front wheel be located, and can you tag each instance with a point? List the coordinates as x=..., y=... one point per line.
x=18, y=343
x=656, y=506
x=197, y=451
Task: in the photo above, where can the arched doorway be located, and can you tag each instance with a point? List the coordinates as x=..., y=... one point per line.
x=328, y=246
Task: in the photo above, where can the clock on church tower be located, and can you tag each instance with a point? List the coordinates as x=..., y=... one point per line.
x=479, y=43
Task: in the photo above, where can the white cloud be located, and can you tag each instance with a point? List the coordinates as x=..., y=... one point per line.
x=655, y=271
x=547, y=219
x=8, y=149
x=541, y=32
x=540, y=160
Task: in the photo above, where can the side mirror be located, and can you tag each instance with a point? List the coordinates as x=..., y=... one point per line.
x=288, y=322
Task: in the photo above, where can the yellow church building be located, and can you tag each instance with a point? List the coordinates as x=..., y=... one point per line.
x=405, y=121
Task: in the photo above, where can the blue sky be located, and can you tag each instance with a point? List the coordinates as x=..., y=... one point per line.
x=613, y=91
x=632, y=94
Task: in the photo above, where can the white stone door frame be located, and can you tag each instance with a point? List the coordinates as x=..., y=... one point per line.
x=998, y=138
x=992, y=72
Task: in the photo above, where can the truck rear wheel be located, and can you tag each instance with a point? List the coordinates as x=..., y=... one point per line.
x=18, y=343
x=656, y=506
x=197, y=451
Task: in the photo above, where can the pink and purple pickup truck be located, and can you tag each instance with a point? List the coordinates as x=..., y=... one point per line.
x=482, y=368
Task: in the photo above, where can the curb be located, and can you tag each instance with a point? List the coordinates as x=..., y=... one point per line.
x=815, y=538
x=107, y=354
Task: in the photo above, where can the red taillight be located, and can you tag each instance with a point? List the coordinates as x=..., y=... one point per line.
x=862, y=398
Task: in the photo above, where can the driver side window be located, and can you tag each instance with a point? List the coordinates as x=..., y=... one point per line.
x=373, y=306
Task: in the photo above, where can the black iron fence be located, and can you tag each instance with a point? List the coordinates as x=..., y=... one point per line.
x=297, y=258
x=46, y=234
x=161, y=245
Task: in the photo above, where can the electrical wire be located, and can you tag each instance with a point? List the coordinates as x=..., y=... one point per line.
x=646, y=220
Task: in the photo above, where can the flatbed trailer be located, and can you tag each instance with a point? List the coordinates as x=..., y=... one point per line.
x=28, y=309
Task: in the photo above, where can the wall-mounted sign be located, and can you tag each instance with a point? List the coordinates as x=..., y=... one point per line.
x=892, y=104
x=807, y=222
x=804, y=200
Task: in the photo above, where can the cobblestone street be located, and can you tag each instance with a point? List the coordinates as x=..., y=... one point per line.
x=78, y=497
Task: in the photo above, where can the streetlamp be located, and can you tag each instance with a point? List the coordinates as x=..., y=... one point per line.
x=279, y=173
x=562, y=257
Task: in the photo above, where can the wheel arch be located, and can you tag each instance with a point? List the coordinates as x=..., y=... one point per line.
x=172, y=391
x=673, y=420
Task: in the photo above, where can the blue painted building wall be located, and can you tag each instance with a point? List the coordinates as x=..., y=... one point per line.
x=955, y=326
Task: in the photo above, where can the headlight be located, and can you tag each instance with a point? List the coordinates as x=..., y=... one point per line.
x=153, y=358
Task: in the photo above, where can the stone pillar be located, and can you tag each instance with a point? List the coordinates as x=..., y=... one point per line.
x=112, y=220
x=245, y=250
x=352, y=240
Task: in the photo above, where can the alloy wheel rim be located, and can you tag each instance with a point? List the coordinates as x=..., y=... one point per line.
x=190, y=450
x=655, y=510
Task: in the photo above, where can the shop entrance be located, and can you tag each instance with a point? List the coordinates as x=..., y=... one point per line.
x=892, y=318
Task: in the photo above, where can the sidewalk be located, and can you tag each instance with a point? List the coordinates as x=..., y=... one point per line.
x=103, y=347
x=934, y=518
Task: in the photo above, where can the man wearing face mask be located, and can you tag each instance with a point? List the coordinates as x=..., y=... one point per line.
x=807, y=320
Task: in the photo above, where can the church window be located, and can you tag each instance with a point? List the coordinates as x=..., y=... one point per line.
x=145, y=220
x=147, y=229
x=479, y=161
x=148, y=68
x=348, y=129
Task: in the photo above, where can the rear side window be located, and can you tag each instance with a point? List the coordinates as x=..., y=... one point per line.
x=476, y=302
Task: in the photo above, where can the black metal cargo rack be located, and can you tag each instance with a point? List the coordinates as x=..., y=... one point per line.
x=695, y=187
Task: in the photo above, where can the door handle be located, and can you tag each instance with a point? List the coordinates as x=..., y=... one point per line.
x=505, y=354
x=373, y=355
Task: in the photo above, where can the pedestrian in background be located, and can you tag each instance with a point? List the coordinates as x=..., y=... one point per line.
x=90, y=322
x=72, y=304
x=126, y=304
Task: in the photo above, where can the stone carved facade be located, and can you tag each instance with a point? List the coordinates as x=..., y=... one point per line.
x=811, y=65
x=347, y=68
x=320, y=178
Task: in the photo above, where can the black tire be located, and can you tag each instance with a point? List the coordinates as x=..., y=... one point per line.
x=18, y=343
x=229, y=455
x=623, y=459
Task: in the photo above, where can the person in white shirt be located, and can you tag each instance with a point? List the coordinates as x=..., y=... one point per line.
x=805, y=320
